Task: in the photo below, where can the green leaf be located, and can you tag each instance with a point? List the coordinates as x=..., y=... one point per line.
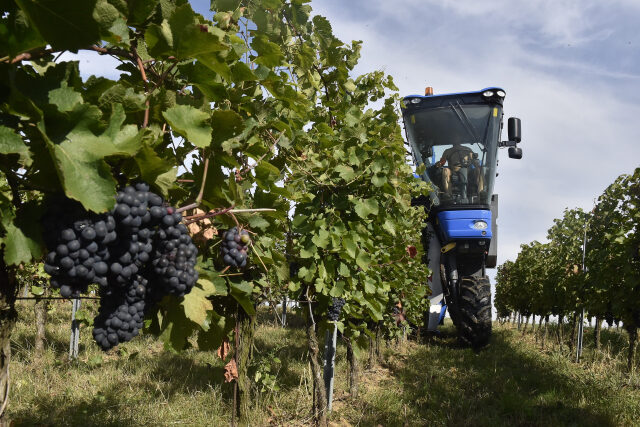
x=12, y=143
x=242, y=293
x=321, y=239
x=79, y=159
x=258, y=222
x=350, y=246
x=224, y=5
x=196, y=305
x=37, y=290
x=269, y=53
x=211, y=339
x=226, y=124
x=155, y=169
x=140, y=10
x=389, y=227
x=190, y=123
x=184, y=36
x=18, y=247
x=242, y=73
x=84, y=176
x=379, y=180
x=346, y=172
x=366, y=207
x=66, y=25
x=338, y=289
x=65, y=98
x=363, y=260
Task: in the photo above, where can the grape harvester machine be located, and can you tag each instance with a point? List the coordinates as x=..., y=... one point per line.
x=454, y=140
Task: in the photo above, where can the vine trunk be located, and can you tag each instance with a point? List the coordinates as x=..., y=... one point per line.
x=8, y=317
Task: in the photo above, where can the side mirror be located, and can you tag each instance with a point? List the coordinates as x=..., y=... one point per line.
x=514, y=129
x=515, y=152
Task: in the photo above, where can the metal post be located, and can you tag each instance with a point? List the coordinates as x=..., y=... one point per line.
x=581, y=324
x=329, y=363
x=284, y=312
x=75, y=331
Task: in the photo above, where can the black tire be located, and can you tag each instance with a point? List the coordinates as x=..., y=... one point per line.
x=474, y=311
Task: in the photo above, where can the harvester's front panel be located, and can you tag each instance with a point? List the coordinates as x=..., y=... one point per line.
x=465, y=224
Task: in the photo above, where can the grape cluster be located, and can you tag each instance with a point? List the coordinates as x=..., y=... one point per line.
x=235, y=244
x=139, y=242
x=335, y=309
x=174, y=258
x=120, y=319
x=79, y=247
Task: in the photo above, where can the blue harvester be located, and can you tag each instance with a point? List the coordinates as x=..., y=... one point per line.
x=456, y=137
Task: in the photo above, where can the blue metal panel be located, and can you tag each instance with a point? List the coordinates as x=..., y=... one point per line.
x=459, y=224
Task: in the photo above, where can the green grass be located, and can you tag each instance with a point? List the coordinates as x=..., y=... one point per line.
x=512, y=382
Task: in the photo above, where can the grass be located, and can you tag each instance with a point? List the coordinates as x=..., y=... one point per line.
x=512, y=382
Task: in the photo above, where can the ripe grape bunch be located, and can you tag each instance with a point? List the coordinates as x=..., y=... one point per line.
x=235, y=244
x=335, y=309
x=138, y=243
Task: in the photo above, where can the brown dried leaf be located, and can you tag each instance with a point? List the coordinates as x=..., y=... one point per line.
x=194, y=228
x=210, y=233
x=223, y=351
x=230, y=371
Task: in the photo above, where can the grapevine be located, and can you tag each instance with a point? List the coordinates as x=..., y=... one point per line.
x=139, y=242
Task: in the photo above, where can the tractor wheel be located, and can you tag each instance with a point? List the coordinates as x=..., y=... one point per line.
x=474, y=311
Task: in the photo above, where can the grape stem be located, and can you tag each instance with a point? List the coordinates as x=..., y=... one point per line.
x=201, y=193
x=200, y=217
x=260, y=259
x=143, y=74
x=195, y=218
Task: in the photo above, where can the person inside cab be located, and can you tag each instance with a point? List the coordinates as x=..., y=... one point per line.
x=460, y=159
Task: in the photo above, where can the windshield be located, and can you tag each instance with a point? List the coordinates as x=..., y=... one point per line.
x=458, y=145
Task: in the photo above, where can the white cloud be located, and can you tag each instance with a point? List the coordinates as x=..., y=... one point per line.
x=579, y=111
x=92, y=63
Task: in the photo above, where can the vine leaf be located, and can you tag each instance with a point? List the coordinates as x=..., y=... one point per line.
x=364, y=208
x=226, y=124
x=183, y=36
x=79, y=159
x=65, y=98
x=196, y=307
x=242, y=292
x=190, y=123
x=22, y=240
x=11, y=143
x=71, y=24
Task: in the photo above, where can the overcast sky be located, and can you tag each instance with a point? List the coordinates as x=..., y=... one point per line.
x=570, y=68
x=571, y=71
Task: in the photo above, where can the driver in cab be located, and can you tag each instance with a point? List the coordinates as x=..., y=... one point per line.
x=459, y=158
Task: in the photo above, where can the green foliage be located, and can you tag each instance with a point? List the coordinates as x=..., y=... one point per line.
x=256, y=108
x=548, y=278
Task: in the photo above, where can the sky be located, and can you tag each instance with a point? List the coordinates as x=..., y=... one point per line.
x=571, y=71
x=570, y=68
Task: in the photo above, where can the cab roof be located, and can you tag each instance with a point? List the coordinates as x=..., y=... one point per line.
x=432, y=101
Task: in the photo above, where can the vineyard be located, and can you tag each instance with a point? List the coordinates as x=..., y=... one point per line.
x=237, y=161
x=590, y=267
x=230, y=226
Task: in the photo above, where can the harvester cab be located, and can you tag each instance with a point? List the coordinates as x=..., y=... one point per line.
x=456, y=137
